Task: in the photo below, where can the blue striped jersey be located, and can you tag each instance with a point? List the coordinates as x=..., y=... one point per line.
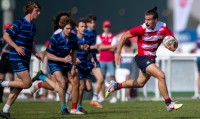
x=82, y=54
x=22, y=33
x=91, y=34
x=60, y=47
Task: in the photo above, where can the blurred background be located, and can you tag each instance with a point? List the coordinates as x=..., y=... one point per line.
x=181, y=16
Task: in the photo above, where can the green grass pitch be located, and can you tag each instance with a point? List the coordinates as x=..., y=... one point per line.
x=126, y=110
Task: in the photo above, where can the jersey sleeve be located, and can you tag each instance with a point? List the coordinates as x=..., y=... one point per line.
x=98, y=40
x=168, y=32
x=114, y=41
x=136, y=31
x=12, y=30
x=51, y=48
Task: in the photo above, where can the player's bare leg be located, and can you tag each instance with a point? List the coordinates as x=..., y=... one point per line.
x=59, y=86
x=61, y=82
x=81, y=91
x=160, y=76
x=102, y=94
x=88, y=85
x=69, y=92
x=99, y=77
x=25, y=82
x=75, y=92
x=40, y=84
x=153, y=70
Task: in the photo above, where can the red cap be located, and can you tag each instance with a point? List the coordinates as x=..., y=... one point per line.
x=106, y=23
x=6, y=25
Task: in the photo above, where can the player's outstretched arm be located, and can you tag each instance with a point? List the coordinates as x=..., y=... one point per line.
x=125, y=36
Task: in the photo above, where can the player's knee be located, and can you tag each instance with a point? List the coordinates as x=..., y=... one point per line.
x=100, y=80
x=161, y=75
x=63, y=86
x=82, y=87
x=88, y=88
x=27, y=85
x=141, y=85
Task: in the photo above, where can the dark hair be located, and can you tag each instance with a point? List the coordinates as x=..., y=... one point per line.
x=80, y=20
x=127, y=43
x=28, y=8
x=91, y=18
x=66, y=22
x=153, y=12
x=56, y=19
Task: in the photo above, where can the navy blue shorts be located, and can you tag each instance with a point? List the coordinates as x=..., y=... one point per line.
x=19, y=66
x=143, y=62
x=84, y=71
x=53, y=68
x=91, y=66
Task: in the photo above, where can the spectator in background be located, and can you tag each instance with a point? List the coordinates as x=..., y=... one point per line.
x=5, y=66
x=106, y=58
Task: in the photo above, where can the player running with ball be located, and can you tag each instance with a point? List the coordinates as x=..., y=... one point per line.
x=150, y=36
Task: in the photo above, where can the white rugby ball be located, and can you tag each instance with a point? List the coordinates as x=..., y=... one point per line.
x=168, y=40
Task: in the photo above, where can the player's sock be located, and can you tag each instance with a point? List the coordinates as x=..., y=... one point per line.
x=40, y=84
x=118, y=86
x=79, y=106
x=168, y=101
x=6, y=108
x=95, y=97
x=43, y=77
x=63, y=106
x=5, y=83
x=74, y=105
x=67, y=96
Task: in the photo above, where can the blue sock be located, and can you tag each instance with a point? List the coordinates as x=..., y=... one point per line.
x=63, y=106
x=79, y=106
x=43, y=77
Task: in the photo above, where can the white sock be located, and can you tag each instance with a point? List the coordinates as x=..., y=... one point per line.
x=5, y=83
x=67, y=96
x=95, y=97
x=6, y=108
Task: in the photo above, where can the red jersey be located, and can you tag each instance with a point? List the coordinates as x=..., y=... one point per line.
x=106, y=55
x=150, y=39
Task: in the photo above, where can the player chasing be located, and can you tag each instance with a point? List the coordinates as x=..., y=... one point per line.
x=96, y=71
x=20, y=36
x=63, y=66
x=150, y=36
x=83, y=53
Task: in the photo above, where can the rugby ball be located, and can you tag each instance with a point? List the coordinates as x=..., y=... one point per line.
x=168, y=40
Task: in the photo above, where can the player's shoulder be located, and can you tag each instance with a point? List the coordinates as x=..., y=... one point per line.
x=56, y=37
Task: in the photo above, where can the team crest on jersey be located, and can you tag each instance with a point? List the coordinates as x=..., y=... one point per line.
x=49, y=46
x=12, y=27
